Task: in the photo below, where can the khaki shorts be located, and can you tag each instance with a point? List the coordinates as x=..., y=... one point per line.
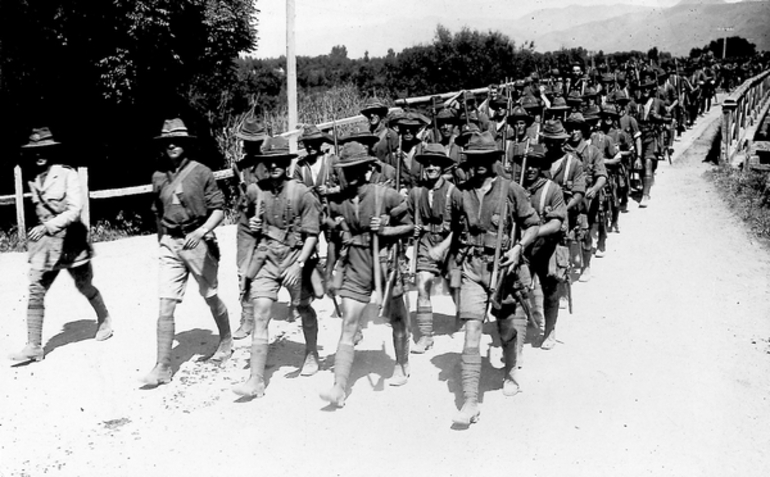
x=176, y=264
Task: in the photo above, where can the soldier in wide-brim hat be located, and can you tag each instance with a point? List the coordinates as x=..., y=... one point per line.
x=189, y=206
x=489, y=204
x=58, y=242
x=429, y=205
x=248, y=171
x=285, y=219
x=362, y=211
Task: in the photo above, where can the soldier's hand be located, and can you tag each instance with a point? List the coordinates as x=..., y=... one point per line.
x=436, y=253
x=255, y=224
x=331, y=288
x=193, y=239
x=36, y=233
x=322, y=190
x=291, y=275
x=511, y=257
x=417, y=230
x=375, y=224
x=590, y=193
x=638, y=163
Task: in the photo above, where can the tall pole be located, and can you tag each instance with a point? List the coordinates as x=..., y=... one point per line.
x=291, y=73
x=724, y=42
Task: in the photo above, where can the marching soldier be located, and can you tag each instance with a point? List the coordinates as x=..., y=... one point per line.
x=595, y=178
x=628, y=124
x=520, y=122
x=548, y=200
x=316, y=168
x=376, y=114
x=429, y=207
x=58, y=242
x=610, y=155
x=651, y=116
x=369, y=219
x=409, y=127
x=382, y=173
x=617, y=167
x=488, y=209
x=189, y=206
x=284, y=216
x=253, y=135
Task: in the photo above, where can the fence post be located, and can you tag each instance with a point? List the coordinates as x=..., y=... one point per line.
x=85, y=214
x=18, y=185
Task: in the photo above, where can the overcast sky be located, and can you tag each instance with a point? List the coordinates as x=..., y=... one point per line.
x=376, y=25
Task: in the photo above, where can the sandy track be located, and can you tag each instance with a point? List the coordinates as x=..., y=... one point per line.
x=662, y=370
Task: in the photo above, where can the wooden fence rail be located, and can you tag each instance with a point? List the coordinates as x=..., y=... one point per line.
x=740, y=110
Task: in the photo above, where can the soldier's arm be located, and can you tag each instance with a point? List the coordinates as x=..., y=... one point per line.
x=72, y=201
x=555, y=213
x=578, y=187
x=399, y=222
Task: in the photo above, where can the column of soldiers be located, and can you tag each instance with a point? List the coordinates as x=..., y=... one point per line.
x=507, y=203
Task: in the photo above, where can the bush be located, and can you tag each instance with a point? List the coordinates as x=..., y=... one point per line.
x=747, y=194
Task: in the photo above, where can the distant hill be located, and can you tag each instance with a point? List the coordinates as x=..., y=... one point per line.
x=688, y=24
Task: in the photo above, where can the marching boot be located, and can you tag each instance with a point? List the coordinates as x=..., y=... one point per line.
x=161, y=373
x=247, y=320
x=550, y=341
x=401, y=348
x=33, y=351
x=254, y=387
x=222, y=319
x=585, y=274
x=471, y=373
x=424, y=319
x=104, y=322
x=310, y=330
x=343, y=362
x=510, y=336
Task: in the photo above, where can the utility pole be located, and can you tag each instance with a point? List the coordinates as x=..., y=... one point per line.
x=724, y=43
x=291, y=73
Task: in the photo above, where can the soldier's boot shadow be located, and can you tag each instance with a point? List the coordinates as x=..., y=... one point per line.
x=365, y=364
x=72, y=332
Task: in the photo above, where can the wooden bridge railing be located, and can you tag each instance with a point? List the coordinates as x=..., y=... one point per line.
x=740, y=111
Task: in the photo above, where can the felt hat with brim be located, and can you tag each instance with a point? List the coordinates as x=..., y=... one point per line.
x=251, y=131
x=312, y=133
x=434, y=153
x=375, y=107
x=530, y=102
x=411, y=120
x=446, y=115
x=591, y=113
x=40, y=137
x=558, y=104
x=361, y=136
x=535, y=157
x=354, y=154
x=174, y=129
x=554, y=130
x=589, y=93
x=498, y=103
x=609, y=111
x=574, y=99
x=275, y=149
x=648, y=83
x=620, y=97
x=520, y=114
x=466, y=131
x=607, y=78
x=482, y=145
x=575, y=119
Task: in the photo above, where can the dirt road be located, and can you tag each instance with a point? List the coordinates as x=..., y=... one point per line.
x=664, y=369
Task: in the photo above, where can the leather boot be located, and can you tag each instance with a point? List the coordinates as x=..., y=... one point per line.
x=310, y=330
x=401, y=348
x=343, y=362
x=509, y=337
x=33, y=351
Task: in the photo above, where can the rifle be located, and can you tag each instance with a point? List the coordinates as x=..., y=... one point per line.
x=498, y=278
x=396, y=249
x=434, y=112
x=378, y=299
x=251, y=266
x=505, y=127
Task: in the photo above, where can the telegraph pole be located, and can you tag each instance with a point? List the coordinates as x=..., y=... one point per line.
x=724, y=43
x=291, y=73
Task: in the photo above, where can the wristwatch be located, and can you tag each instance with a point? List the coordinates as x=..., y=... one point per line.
x=301, y=264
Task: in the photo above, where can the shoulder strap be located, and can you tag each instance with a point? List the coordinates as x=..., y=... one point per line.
x=448, y=206
x=379, y=192
x=182, y=175
x=566, y=169
x=543, y=197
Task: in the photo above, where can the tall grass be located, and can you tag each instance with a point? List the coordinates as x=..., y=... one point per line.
x=748, y=195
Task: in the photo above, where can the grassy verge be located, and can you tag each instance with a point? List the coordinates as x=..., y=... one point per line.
x=748, y=196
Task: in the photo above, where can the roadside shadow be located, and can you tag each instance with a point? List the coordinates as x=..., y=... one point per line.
x=443, y=324
x=282, y=311
x=285, y=353
x=191, y=343
x=450, y=371
x=72, y=332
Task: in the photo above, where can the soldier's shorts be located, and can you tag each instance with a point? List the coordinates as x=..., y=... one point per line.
x=424, y=262
x=268, y=280
x=358, y=279
x=176, y=265
x=473, y=300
